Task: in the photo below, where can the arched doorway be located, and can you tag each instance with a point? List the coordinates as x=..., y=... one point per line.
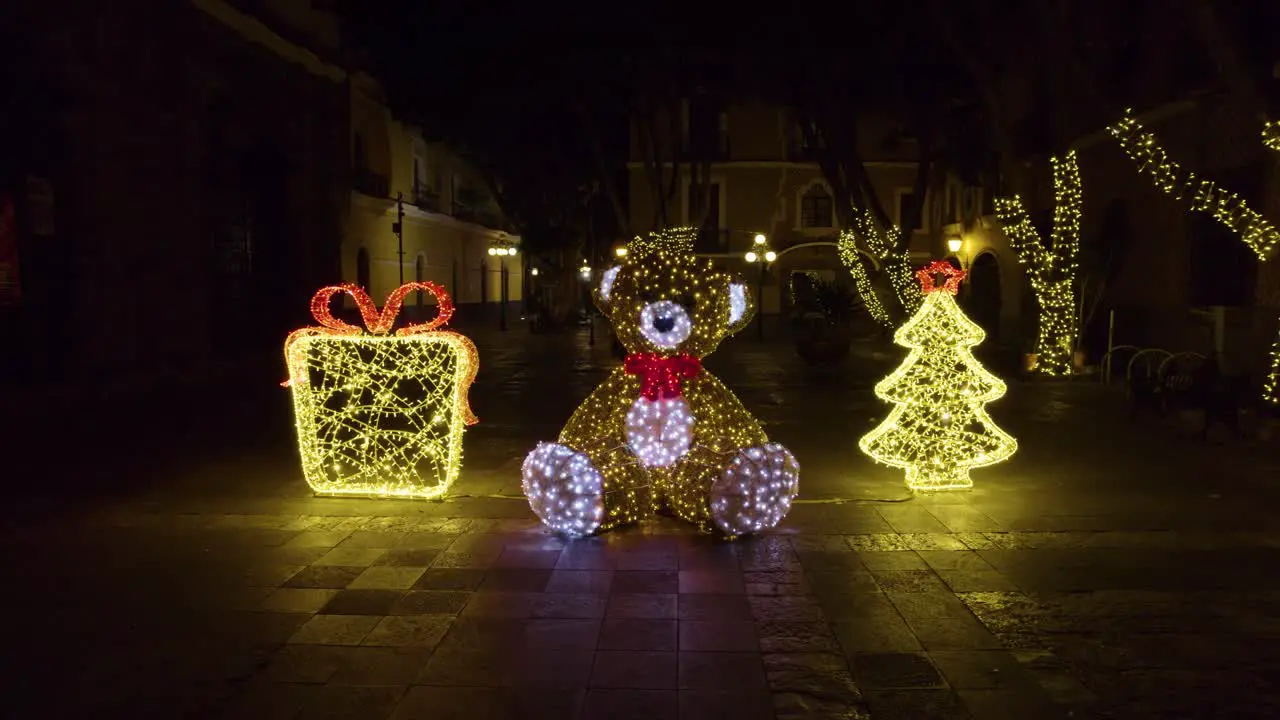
x=984, y=293
x=362, y=268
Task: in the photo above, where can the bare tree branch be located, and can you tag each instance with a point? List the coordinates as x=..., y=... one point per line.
x=602, y=166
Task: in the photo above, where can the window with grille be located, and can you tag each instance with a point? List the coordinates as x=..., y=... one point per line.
x=816, y=208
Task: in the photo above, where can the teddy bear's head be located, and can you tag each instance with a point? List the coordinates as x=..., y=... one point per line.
x=663, y=299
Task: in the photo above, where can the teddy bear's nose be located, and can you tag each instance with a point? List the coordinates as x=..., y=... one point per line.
x=664, y=323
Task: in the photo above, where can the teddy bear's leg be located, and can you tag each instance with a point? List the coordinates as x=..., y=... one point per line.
x=754, y=489
x=578, y=493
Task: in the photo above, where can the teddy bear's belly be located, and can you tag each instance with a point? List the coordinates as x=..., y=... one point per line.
x=659, y=432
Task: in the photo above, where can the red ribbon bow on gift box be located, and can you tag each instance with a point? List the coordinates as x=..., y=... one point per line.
x=660, y=377
x=380, y=322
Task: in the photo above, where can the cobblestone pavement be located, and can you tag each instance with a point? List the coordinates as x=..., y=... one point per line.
x=1112, y=569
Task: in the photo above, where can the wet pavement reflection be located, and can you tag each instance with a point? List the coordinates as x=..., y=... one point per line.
x=1113, y=568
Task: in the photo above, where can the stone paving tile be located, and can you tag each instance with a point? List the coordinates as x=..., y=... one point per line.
x=1088, y=577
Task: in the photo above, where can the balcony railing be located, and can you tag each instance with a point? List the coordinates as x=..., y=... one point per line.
x=800, y=152
x=463, y=212
x=370, y=183
x=426, y=199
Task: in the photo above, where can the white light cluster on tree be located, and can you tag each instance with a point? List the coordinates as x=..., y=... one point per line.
x=938, y=429
x=1052, y=269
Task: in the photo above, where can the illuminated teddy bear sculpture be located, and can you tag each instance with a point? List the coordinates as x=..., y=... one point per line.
x=661, y=432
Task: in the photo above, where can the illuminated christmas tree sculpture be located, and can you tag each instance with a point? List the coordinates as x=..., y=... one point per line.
x=939, y=430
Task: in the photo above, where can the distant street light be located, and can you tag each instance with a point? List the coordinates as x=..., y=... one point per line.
x=620, y=251
x=760, y=253
x=502, y=249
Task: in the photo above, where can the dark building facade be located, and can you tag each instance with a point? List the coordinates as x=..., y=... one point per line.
x=179, y=188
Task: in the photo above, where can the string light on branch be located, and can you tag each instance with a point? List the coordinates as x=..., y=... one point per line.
x=938, y=430
x=883, y=245
x=1052, y=269
x=1198, y=193
x=1271, y=134
x=660, y=431
x=380, y=414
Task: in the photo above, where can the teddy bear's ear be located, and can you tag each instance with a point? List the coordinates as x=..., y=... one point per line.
x=742, y=307
x=604, y=290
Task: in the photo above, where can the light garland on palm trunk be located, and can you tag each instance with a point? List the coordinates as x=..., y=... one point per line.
x=1052, y=270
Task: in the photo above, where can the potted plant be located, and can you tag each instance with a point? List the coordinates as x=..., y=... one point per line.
x=822, y=320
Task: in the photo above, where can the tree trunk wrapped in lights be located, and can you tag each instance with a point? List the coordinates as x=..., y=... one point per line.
x=1271, y=387
x=884, y=246
x=380, y=414
x=1052, y=270
x=939, y=430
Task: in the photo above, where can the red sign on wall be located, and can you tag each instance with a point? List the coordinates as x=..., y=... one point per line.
x=10, y=290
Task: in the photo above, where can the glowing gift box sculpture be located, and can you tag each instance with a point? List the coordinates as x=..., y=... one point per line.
x=939, y=429
x=662, y=432
x=380, y=414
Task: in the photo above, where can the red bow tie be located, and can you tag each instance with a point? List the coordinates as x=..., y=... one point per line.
x=660, y=376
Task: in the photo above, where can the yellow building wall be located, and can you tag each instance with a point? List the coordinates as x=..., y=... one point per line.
x=446, y=250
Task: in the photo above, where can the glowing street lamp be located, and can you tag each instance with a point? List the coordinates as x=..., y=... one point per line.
x=620, y=251
x=760, y=253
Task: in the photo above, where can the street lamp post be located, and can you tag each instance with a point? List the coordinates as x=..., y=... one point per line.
x=585, y=273
x=760, y=253
x=502, y=250
x=955, y=244
x=397, y=227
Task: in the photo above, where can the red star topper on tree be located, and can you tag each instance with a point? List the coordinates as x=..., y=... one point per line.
x=928, y=276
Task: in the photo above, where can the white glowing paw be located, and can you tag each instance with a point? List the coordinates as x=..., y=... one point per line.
x=755, y=491
x=564, y=489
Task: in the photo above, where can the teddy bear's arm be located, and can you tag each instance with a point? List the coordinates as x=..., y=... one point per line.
x=722, y=424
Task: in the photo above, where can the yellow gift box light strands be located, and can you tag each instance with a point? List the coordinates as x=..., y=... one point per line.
x=1052, y=270
x=380, y=414
x=939, y=430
